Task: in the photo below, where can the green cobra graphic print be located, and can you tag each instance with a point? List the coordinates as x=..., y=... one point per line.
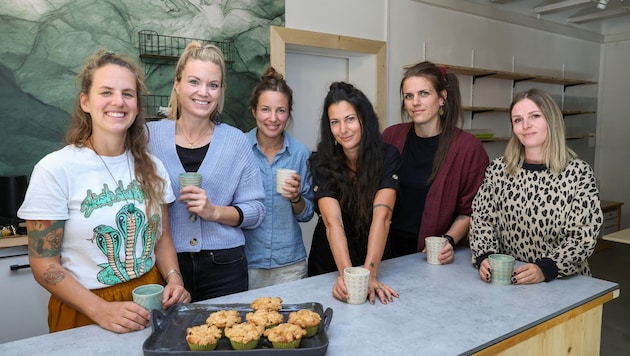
x=132, y=232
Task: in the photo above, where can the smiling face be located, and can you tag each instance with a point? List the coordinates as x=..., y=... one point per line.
x=272, y=113
x=112, y=101
x=530, y=127
x=199, y=90
x=345, y=126
x=422, y=103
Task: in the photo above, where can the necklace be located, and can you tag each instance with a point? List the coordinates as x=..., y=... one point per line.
x=132, y=207
x=192, y=143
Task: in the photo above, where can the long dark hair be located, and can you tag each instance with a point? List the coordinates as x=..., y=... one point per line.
x=453, y=115
x=356, y=190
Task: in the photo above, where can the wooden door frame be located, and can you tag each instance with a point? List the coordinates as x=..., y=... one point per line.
x=316, y=42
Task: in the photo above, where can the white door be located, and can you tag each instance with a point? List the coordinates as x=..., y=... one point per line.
x=310, y=75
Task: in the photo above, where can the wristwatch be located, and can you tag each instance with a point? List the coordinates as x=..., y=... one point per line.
x=450, y=239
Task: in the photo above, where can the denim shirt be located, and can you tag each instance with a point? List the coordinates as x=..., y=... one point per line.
x=278, y=240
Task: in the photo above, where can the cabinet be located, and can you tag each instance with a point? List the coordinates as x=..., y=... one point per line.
x=478, y=73
x=23, y=302
x=611, y=210
x=612, y=216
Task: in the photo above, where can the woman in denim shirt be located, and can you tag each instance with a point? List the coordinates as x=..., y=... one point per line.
x=275, y=250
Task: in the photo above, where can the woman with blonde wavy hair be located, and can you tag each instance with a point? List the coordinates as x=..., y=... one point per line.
x=96, y=209
x=538, y=203
x=208, y=221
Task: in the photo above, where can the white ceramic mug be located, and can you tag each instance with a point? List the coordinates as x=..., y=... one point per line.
x=283, y=174
x=433, y=246
x=356, y=280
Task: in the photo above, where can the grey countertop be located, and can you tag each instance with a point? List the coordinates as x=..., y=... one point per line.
x=442, y=310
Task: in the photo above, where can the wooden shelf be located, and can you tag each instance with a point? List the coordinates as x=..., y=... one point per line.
x=497, y=74
x=504, y=139
x=480, y=109
x=13, y=240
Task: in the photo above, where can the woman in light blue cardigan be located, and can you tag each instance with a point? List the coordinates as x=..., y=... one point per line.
x=207, y=221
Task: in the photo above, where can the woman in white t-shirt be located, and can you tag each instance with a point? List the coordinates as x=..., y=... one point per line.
x=96, y=210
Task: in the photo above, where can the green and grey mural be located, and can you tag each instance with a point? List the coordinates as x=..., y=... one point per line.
x=44, y=44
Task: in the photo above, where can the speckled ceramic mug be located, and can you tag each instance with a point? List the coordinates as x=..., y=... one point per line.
x=502, y=267
x=356, y=280
x=433, y=246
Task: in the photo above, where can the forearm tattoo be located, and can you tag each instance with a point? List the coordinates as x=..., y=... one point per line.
x=44, y=240
x=54, y=274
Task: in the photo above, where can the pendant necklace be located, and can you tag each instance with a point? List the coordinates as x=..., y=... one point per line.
x=190, y=142
x=132, y=207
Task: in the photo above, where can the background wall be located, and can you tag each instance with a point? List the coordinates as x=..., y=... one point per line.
x=46, y=42
x=415, y=31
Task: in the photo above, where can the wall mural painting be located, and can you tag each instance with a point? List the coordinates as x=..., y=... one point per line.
x=45, y=44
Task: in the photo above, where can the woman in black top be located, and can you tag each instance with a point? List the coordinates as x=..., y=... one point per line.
x=355, y=176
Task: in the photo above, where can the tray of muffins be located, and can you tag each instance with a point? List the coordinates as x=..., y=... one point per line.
x=265, y=326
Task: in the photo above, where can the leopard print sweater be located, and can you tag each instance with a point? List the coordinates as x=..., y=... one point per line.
x=535, y=215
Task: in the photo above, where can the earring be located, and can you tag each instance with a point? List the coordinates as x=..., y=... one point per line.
x=441, y=110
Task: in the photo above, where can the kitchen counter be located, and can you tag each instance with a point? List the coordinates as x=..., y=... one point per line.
x=13, y=241
x=442, y=310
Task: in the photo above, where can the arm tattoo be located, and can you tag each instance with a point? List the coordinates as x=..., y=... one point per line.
x=54, y=274
x=44, y=237
x=460, y=217
x=383, y=205
x=372, y=264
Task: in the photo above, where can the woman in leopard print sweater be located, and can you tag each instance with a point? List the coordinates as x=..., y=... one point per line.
x=539, y=202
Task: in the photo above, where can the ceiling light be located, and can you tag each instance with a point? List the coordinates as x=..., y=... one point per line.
x=560, y=6
x=602, y=4
x=599, y=15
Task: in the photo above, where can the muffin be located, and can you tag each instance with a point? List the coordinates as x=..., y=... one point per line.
x=307, y=320
x=244, y=336
x=267, y=303
x=285, y=336
x=224, y=319
x=265, y=318
x=203, y=337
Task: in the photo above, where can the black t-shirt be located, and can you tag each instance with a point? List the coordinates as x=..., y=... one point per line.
x=320, y=258
x=192, y=158
x=418, y=156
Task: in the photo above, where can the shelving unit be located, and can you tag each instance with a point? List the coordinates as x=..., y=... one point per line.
x=162, y=49
x=151, y=106
x=477, y=73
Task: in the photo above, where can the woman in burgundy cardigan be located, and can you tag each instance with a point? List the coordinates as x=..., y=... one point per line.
x=442, y=165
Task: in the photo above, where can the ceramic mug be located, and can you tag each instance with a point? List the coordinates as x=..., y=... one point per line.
x=502, y=267
x=149, y=296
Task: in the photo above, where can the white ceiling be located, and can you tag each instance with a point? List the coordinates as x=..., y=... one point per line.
x=523, y=12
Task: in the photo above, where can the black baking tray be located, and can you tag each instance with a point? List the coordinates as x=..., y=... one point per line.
x=169, y=331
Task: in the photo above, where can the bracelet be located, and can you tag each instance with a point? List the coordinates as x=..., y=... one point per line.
x=168, y=274
x=299, y=199
x=450, y=239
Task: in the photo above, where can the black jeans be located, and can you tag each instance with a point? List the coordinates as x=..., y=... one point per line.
x=214, y=273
